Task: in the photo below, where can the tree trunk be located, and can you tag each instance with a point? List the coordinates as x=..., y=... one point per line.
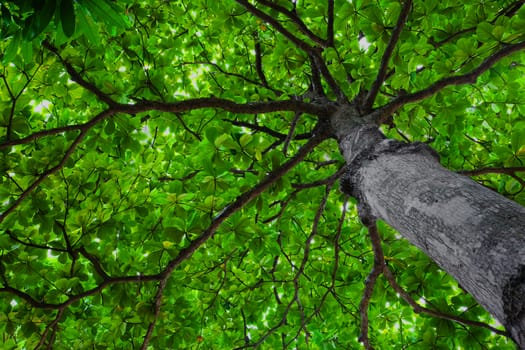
x=472, y=232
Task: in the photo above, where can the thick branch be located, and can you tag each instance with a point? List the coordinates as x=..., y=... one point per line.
x=492, y=170
x=184, y=106
x=381, y=74
x=381, y=114
x=227, y=105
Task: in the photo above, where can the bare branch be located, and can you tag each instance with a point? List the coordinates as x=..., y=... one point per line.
x=53, y=326
x=381, y=74
x=381, y=114
x=310, y=50
x=316, y=87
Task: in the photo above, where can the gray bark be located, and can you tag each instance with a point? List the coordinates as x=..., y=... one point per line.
x=472, y=232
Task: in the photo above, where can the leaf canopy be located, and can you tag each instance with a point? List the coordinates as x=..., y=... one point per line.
x=164, y=182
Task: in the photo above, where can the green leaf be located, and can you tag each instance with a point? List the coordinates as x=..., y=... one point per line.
x=67, y=17
x=518, y=136
x=38, y=21
x=108, y=12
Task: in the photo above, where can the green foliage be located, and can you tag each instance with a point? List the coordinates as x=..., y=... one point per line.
x=121, y=196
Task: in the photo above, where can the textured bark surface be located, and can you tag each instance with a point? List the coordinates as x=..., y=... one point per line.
x=473, y=233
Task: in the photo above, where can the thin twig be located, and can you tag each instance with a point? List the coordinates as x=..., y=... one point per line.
x=383, y=67
x=380, y=115
x=330, y=25
x=276, y=25
x=228, y=211
x=377, y=269
x=292, y=15
x=420, y=309
x=77, y=78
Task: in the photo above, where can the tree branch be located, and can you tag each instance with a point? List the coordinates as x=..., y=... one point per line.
x=42, y=177
x=76, y=77
x=380, y=115
x=319, y=62
x=490, y=170
x=314, y=52
x=381, y=74
x=228, y=211
x=227, y=105
x=183, y=106
x=377, y=269
x=276, y=25
x=258, y=61
x=296, y=20
x=330, y=25
x=418, y=308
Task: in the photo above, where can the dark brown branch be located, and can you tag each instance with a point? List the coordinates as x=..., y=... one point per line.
x=28, y=299
x=316, y=87
x=44, y=176
x=267, y=130
x=509, y=11
x=258, y=61
x=95, y=262
x=77, y=78
x=492, y=170
x=377, y=269
x=330, y=25
x=276, y=25
x=381, y=74
x=49, y=306
x=227, y=105
x=292, y=15
x=236, y=75
x=319, y=62
x=53, y=326
x=243, y=199
x=381, y=114
x=184, y=106
x=291, y=131
x=34, y=245
x=420, y=309
x=228, y=211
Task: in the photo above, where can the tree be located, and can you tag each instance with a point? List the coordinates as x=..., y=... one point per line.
x=171, y=173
